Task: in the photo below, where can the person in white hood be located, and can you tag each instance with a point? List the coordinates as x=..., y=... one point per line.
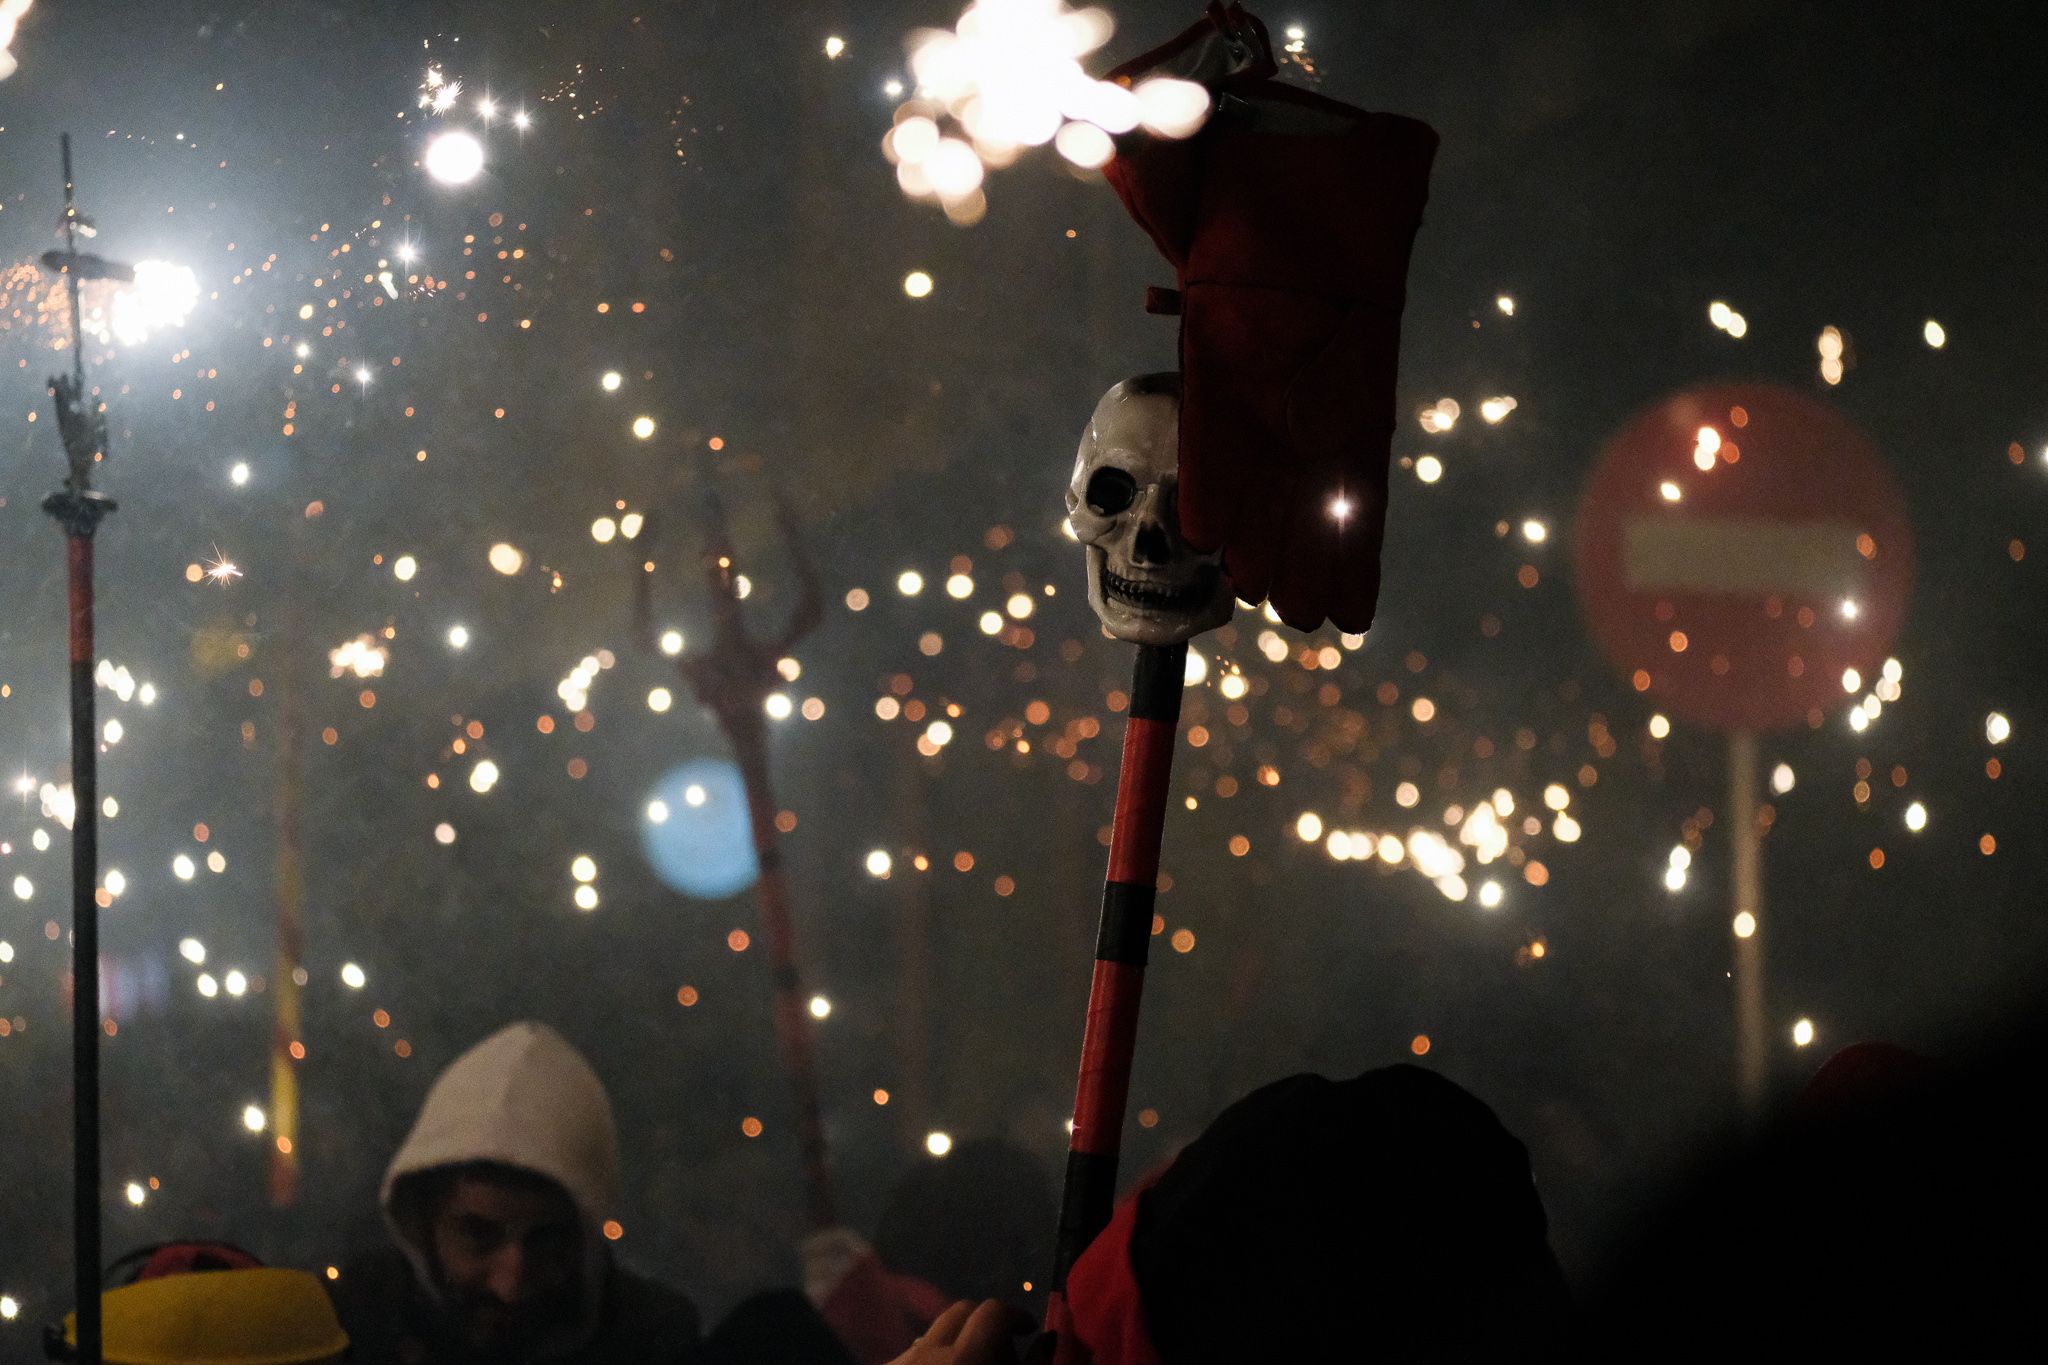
x=496, y=1203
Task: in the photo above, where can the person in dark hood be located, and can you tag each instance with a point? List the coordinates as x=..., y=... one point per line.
x=1887, y=1214
x=1387, y=1217
x=496, y=1203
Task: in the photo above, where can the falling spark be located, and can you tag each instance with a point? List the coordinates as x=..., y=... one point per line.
x=1084, y=144
x=1440, y=416
x=1705, y=447
x=362, y=656
x=1830, y=346
x=222, y=570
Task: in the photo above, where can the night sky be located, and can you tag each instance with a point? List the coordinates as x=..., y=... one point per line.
x=700, y=203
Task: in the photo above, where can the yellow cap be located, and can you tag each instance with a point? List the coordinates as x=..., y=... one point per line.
x=218, y=1317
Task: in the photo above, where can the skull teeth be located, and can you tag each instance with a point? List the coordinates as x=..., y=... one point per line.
x=1154, y=596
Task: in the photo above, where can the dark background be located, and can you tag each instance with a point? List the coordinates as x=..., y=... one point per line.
x=1614, y=168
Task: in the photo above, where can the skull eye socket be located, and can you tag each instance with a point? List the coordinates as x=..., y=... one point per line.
x=1111, y=491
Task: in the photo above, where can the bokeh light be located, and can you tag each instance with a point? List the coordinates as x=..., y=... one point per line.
x=703, y=848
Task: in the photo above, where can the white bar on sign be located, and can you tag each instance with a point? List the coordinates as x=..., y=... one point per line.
x=1740, y=555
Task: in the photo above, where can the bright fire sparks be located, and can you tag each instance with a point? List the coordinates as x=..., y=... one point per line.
x=1006, y=78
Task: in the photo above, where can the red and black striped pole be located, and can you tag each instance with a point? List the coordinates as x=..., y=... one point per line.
x=1110, y=1040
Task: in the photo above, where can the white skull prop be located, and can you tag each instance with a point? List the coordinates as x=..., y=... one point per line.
x=1147, y=584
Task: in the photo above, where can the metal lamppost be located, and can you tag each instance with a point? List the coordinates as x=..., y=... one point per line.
x=78, y=507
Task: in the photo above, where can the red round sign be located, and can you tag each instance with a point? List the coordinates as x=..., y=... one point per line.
x=1740, y=547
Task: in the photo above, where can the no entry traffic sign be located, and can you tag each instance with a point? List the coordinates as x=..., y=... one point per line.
x=1740, y=547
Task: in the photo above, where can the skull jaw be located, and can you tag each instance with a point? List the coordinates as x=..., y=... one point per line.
x=1200, y=604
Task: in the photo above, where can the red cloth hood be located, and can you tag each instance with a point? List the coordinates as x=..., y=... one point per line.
x=1291, y=256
